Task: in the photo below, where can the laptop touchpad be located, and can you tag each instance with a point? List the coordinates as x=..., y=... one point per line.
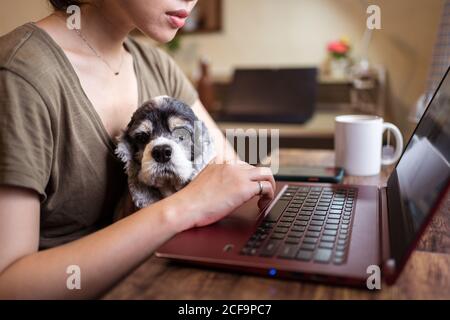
x=248, y=211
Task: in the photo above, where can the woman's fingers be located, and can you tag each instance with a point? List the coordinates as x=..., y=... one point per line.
x=264, y=189
x=266, y=194
x=263, y=173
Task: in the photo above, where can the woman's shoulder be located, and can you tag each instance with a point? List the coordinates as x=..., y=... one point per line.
x=27, y=52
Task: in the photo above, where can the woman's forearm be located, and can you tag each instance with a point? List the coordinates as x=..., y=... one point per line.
x=103, y=257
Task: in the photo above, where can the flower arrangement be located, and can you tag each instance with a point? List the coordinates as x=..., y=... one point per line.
x=340, y=48
x=339, y=60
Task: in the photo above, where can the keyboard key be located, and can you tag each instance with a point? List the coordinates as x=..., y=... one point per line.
x=292, y=240
x=300, y=223
x=281, y=229
x=323, y=255
x=318, y=217
x=314, y=234
x=330, y=232
x=276, y=211
x=340, y=247
x=289, y=214
x=338, y=260
x=304, y=255
x=310, y=240
x=339, y=254
x=335, y=211
x=334, y=216
x=284, y=224
x=270, y=248
x=316, y=223
x=328, y=238
x=287, y=219
x=303, y=218
x=333, y=221
x=343, y=236
x=308, y=246
x=306, y=208
x=277, y=235
x=305, y=213
x=341, y=242
x=295, y=234
x=320, y=213
x=298, y=228
x=322, y=208
x=331, y=226
x=314, y=228
x=288, y=251
x=326, y=245
x=336, y=207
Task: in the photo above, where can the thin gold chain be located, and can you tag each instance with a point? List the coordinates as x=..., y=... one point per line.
x=82, y=37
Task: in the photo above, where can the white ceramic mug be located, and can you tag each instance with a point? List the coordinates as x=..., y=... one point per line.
x=358, y=142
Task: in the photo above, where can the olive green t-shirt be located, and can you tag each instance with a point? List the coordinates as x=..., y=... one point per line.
x=53, y=141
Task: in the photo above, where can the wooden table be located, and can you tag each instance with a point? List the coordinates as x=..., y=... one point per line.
x=426, y=275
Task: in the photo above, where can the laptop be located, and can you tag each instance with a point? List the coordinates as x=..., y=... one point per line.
x=334, y=232
x=271, y=95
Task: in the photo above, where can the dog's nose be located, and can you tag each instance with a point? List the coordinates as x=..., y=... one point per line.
x=162, y=153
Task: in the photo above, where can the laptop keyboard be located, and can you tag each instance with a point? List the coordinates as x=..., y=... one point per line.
x=307, y=224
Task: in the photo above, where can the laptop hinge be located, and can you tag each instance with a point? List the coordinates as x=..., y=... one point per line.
x=387, y=264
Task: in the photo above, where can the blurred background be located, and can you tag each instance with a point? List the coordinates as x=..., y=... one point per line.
x=388, y=72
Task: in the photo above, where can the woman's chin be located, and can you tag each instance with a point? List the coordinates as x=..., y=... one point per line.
x=161, y=36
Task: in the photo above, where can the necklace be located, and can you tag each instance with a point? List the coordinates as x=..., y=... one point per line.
x=116, y=73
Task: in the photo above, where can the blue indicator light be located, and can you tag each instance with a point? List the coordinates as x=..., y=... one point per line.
x=272, y=272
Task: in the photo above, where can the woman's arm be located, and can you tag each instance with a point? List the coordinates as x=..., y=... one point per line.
x=225, y=151
x=103, y=257
x=109, y=254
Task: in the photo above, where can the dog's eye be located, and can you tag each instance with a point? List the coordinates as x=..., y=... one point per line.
x=142, y=137
x=181, y=135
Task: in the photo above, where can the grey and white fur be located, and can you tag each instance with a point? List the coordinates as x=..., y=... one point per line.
x=163, y=147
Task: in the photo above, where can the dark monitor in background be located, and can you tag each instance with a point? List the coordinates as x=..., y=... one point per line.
x=271, y=95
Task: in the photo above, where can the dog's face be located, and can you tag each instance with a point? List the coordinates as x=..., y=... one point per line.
x=160, y=144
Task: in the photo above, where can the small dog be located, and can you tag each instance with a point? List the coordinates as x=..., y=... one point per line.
x=163, y=147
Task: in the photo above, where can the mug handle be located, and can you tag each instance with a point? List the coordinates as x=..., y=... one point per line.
x=398, y=142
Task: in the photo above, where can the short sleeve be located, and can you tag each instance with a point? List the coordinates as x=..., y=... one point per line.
x=26, y=140
x=180, y=86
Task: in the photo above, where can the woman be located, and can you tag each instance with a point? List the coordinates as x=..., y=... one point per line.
x=64, y=95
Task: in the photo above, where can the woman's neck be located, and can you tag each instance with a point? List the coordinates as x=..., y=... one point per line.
x=104, y=27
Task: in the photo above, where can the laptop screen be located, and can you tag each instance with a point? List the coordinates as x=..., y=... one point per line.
x=421, y=176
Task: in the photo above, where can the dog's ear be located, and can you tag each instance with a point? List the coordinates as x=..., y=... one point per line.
x=124, y=151
x=204, y=150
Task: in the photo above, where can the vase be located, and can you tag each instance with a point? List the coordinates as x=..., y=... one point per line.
x=339, y=68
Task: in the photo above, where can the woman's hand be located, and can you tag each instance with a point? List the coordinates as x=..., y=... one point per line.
x=221, y=188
